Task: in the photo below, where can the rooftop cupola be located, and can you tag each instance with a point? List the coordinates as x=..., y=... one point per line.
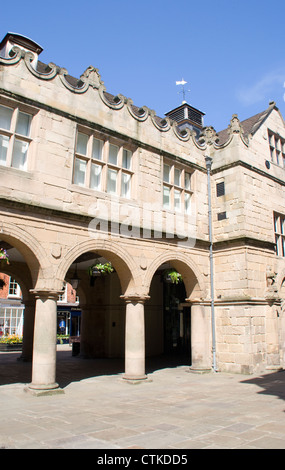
x=14, y=39
x=185, y=115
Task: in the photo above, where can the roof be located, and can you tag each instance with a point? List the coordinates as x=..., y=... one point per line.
x=250, y=125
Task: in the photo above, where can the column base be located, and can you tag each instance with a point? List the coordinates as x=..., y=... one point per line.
x=41, y=390
x=135, y=380
x=199, y=370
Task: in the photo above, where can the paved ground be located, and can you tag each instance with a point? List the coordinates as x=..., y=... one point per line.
x=174, y=409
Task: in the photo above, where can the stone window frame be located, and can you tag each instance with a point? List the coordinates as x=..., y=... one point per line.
x=176, y=185
x=277, y=148
x=104, y=163
x=279, y=233
x=13, y=136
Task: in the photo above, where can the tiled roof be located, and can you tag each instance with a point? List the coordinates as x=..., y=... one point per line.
x=250, y=125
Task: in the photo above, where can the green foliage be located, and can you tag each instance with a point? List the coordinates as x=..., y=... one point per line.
x=172, y=276
x=100, y=268
x=4, y=258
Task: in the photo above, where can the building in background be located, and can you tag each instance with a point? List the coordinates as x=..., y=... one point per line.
x=12, y=309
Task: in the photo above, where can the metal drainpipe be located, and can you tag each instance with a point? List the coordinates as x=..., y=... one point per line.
x=209, y=166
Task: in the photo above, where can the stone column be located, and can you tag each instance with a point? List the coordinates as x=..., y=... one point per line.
x=28, y=330
x=44, y=352
x=200, y=335
x=135, y=339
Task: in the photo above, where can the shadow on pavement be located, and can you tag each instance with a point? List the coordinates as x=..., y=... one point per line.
x=271, y=384
x=74, y=368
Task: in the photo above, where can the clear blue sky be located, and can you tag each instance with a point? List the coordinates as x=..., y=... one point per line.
x=230, y=52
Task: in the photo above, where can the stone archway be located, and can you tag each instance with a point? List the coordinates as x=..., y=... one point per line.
x=30, y=267
x=124, y=264
x=32, y=251
x=192, y=277
x=200, y=319
x=129, y=304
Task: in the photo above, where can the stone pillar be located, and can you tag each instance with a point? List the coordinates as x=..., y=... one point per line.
x=28, y=330
x=44, y=352
x=135, y=339
x=200, y=336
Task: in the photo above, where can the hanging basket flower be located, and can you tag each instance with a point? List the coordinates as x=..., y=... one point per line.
x=172, y=276
x=100, y=269
x=4, y=258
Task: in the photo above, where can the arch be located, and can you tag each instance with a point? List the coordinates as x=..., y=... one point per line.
x=120, y=259
x=191, y=275
x=29, y=247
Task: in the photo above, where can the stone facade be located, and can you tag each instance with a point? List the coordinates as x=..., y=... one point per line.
x=91, y=176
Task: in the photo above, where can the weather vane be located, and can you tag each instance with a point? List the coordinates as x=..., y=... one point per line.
x=183, y=91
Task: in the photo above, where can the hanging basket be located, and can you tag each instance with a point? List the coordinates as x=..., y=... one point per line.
x=4, y=258
x=100, y=269
x=171, y=276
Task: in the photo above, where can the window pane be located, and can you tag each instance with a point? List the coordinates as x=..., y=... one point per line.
x=126, y=185
x=187, y=180
x=112, y=181
x=81, y=146
x=166, y=197
x=113, y=154
x=277, y=241
x=166, y=173
x=282, y=225
x=95, y=179
x=127, y=158
x=276, y=223
x=177, y=200
x=23, y=124
x=177, y=177
x=187, y=203
x=19, y=157
x=4, y=142
x=5, y=117
x=79, y=172
x=97, y=149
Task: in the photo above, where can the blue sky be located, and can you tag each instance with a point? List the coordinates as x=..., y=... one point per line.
x=230, y=52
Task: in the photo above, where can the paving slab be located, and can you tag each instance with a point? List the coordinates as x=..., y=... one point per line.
x=173, y=410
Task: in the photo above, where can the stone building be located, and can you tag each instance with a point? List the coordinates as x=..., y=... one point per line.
x=87, y=177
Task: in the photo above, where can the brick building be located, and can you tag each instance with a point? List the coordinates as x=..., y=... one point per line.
x=88, y=178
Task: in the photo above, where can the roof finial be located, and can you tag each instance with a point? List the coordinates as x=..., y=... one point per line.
x=183, y=83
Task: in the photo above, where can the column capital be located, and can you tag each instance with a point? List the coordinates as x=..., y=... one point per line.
x=136, y=298
x=46, y=293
